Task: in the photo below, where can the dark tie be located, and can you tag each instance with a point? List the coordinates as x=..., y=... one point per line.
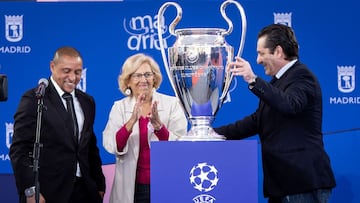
x=71, y=110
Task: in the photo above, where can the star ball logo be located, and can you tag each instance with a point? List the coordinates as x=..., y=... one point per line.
x=204, y=178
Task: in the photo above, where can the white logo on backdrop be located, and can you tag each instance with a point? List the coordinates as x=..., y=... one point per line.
x=82, y=84
x=14, y=33
x=143, y=33
x=346, y=78
x=14, y=27
x=283, y=18
x=346, y=84
x=204, y=177
x=9, y=133
x=8, y=140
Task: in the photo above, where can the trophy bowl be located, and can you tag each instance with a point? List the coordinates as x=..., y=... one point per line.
x=196, y=67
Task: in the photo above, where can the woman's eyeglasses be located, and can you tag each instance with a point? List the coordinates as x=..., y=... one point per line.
x=138, y=76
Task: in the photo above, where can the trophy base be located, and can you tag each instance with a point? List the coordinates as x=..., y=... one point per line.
x=202, y=138
x=202, y=133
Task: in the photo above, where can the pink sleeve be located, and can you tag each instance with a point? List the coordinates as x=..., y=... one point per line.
x=122, y=136
x=163, y=133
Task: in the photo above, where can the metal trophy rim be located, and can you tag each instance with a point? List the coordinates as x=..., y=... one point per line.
x=198, y=30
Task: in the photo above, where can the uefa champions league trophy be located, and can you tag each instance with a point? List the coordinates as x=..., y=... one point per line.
x=196, y=68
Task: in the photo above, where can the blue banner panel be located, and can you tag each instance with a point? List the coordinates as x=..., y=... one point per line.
x=205, y=172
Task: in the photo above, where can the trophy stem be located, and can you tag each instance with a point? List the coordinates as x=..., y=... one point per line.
x=201, y=130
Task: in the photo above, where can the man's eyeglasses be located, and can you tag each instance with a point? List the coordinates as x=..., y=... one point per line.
x=138, y=76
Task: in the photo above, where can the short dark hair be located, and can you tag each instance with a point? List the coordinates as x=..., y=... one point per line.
x=283, y=36
x=66, y=51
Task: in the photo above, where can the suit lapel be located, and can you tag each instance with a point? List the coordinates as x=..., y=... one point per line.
x=86, y=111
x=56, y=102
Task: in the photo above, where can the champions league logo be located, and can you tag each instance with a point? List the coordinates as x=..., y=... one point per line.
x=192, y=55
x=346, y=78
x=14, y=28
x=204, y=177
x=282, y=18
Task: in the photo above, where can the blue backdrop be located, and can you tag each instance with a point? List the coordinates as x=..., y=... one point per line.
x=106, y=33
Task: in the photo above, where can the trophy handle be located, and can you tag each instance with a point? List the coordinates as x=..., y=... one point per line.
x=172, y=32
x=229, y=76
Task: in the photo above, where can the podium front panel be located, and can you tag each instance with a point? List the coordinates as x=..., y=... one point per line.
x=204, y=171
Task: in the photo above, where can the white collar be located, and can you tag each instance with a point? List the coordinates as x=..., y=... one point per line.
x=58, y=89
x=285, y=68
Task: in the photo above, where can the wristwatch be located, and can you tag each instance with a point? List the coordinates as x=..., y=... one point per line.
x=29, y=192
x=252, y=82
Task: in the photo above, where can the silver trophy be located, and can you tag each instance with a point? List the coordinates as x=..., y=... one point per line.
x=196, y=67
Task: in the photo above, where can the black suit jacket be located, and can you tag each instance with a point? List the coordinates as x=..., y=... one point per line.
x=289, y=123
x=59, y=152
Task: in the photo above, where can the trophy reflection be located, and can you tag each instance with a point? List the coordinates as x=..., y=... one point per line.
x=196, y=67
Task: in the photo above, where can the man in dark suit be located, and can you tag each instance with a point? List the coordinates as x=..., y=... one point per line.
x=288, y=121
x=69, y=161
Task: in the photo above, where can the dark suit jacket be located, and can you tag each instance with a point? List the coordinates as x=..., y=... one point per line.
x=59, y=152
x=289, y=123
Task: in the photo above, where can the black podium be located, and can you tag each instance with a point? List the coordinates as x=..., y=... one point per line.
x=204, y=171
